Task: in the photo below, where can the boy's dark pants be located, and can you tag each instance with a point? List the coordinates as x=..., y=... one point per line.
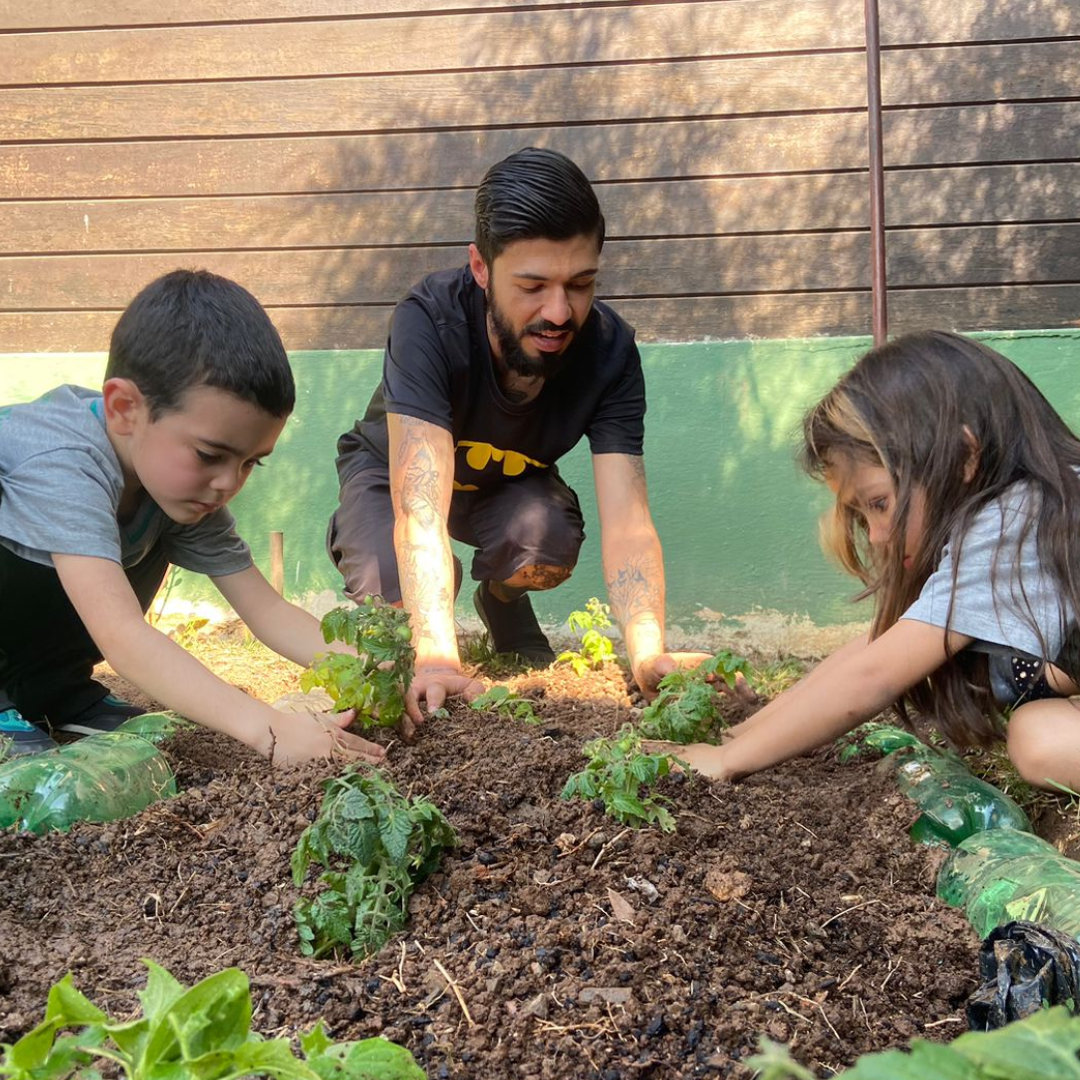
x=46, y=655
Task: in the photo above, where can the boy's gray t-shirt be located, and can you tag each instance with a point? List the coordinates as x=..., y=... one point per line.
x=60, y=488
x=999, y=590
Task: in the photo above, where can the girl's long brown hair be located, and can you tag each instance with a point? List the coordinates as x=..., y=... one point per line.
x=928, y=407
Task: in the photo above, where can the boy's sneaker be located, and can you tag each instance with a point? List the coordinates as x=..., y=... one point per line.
x=19, y=737
x=107, y=714
x=513, y=627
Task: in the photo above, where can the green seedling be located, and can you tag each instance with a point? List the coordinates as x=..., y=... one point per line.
x=202, y=1031
x=376, y=846
x=506, y=703
x=1042, y=1045
x=687, y=707
x=617, y=770
x=596, y=648
x=373, y=682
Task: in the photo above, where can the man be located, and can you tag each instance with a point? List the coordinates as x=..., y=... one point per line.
x=493, y=372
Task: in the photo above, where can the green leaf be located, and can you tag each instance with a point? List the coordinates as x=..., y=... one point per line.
x=368, y=1059
x=270, y=1058
x=69, y=1007
x=1043, y=1046
x=316, y=1041
x=214, y=1013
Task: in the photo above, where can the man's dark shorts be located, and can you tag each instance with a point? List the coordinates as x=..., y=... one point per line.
x=534, y=520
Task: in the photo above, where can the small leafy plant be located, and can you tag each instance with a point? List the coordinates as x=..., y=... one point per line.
x=596, y=648
x=1042, y=1045
x=376, y=846
x=201, y=1032
x=373, y=682
x=687, y=707
x=507, y=703
x=617, y=770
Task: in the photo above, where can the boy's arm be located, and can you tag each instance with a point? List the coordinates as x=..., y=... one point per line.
x=102, y=596
x=287, y=629
x=845, y=693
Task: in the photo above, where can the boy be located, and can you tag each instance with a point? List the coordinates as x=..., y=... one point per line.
x=99, y=492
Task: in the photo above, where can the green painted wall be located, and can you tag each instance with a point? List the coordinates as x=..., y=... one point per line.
x=737, y=520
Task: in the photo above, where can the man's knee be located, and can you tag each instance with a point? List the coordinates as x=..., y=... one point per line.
x=538, y=578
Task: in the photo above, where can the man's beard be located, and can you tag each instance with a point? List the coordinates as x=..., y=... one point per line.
x=511, y=350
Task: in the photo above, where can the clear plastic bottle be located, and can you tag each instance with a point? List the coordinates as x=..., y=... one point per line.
x=1003, y=875
x=954, y=803
x=100, y=778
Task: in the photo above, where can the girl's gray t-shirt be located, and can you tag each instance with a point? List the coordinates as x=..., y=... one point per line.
x=1001, y=589
x=60, y=488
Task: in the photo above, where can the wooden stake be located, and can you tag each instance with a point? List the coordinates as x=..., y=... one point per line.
x=277, y=562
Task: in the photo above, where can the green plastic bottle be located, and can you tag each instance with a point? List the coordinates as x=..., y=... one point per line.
x=100, y=778
x=156, y=726
x=1002, y=875
x=954, y=803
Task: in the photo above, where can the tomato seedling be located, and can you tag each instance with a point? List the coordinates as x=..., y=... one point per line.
x=375, y=680
x=617, y=770
x=595, y=649
x=687, y=707
x=376, y=846
x=507, y=703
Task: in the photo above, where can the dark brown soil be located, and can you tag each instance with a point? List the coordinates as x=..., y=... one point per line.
x=793, y=905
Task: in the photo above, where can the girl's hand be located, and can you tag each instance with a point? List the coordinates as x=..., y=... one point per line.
x=703, y=758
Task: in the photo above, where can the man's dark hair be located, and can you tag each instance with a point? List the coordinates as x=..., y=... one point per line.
x=534, y=195
x=193, y=328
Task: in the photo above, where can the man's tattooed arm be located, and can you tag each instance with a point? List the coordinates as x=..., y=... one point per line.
x=421, y=485
x=633, y=562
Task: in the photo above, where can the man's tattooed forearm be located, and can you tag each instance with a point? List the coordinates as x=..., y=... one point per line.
x=635, y=588
x=420, y=487
x=424, y=592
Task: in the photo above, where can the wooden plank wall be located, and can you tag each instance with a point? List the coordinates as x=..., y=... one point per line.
x=324, y=153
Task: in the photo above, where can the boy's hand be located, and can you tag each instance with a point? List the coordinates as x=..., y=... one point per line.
x=301, y=736
x=703, y=758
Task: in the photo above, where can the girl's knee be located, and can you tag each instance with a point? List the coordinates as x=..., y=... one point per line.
x=1042, y=750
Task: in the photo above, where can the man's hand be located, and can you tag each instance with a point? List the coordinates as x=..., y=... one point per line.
x=434, y=685
x=297, y=737
x=651, y=669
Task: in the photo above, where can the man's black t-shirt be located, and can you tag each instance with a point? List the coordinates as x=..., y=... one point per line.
x=438, y=367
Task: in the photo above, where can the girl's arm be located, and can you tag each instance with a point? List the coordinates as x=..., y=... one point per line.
x=858, y=685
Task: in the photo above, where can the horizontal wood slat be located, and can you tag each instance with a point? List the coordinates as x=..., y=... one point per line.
x=670, y=319
x=703, y=88
x=902, y=21
x=498, y=38
x=989, y=133
x=964, y=255
x=760, y=204
x=379, y=102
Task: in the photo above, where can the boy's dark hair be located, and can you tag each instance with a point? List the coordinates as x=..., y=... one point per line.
x=534, y=194
x=193, y=328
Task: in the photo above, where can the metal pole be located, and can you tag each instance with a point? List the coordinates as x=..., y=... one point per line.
x=878, y=285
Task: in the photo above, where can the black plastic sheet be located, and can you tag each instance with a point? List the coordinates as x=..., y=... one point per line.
x=1024, y=967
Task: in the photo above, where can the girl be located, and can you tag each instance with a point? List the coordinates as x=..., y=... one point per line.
x=958, y=507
